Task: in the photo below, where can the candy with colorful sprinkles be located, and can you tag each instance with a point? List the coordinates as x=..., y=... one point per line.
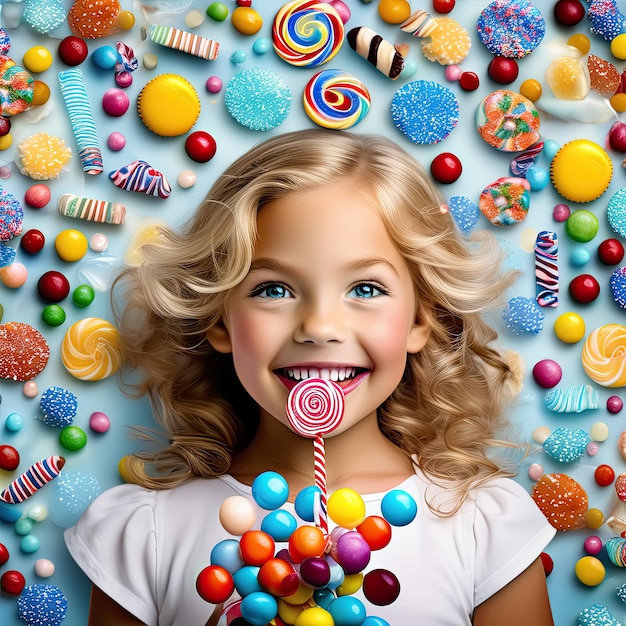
x=572, y=399
x=42, y=605
x=58, y=406
x=24, y=352
x=523, y=316
x=139, y=176
x=465, y=213
x=562, y=500
x=11, y=215
x=605, y=19
x=566, y=445
x=34, y=478
x=618, y=286
x=616, y=212
x=506, y=201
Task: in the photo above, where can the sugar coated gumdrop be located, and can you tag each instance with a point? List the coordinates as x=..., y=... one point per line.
x=42, y=604
x=93, y=18
x=562, y=500
x=72, y=492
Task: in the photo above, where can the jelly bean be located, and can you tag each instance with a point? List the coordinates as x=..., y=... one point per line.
x=304, y=503
x=270, y=490
x=9, y=458
x=279, y=524
x=53, y=286
x=394, y=11
x=531, y=89
x=217, y=11
x=227, y=554
x=568, y=12
x=105, y=57
x=37, y=196
x=398, y=507
x=561, y=212
x=200, y=146
x=604, y=475
x=592, y=448
x=246, y=580
x=23, y=526
x=584, y=288
x=580, y=256
x=582, y=225
x=246, y=21
x=594, y=518
x=593, y=545
x=71, y=245
x=351, y=584
x=469, y=81
x=44, y=568
x=278, y=577
x=256, y=547
x=453, y=73
x=99, y=242
x=41, y=93
x=238, y=57
x=186, y=179
x=599, y=432
x=262, y=46
x=14, y=422
x=12, y=582
x=259, y=608
x=215, y=584
x=540, y=434
x=14, y=276
x=618, y=102
x=547, y=373
x=503, y=70
x=33, y=241
x=590, y=571
x=99, y=422
x=125, y=20
x=37, y=59
x=352, y=552
x=237, y=515
x=618, y=47
x=569, y=327
x=53, y=315
x=306, y=541
x=550, y=148
x=381, y=587
x=376, y=531
x=535, y=471
x=214, y=84
x=72, y=438
x=538, y=177
x=73, y=50
x=83, y=296
x=38, y=513
x=314, y=616
x=346, y=508
x=30, y=389
x=443, y=6
x=610, y=251
x=116, y=141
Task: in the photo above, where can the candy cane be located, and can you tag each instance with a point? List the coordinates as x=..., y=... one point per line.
x=35, y=477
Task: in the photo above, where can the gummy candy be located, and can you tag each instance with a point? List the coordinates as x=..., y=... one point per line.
x=43, y=156
x=562, y=500
x=91, y=19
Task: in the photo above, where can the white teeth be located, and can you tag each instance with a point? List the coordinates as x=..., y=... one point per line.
x=326, y=373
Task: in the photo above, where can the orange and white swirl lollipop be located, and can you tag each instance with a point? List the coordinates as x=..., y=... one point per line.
x=90, y=349
x=315, y=407
x=604, y=355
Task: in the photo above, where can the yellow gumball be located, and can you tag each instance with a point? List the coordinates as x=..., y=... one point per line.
x=314, y=616
x=590, y=571
x=618, y=47
x=124, y=467
x=569, y=327
x=71, y=245
x=37, y=59
x=351, y=584
x=41, y=93
x=346, y=508
x=581, y=42
x=6, y=141
x=394, y=11
x=594, y=518
x=531, y=89
x=246, y=20
x=618, y=102
x=125, y=20
x=299, y=597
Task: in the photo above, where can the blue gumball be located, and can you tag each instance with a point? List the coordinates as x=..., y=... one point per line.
x=105, y=57
x=270, y=490
x=305, y=503
x=347, y=611
x=227, y=554
x=323, y=598
x=259, y=608
x=538, y=177
x=372, y=620
x=398, y=507
x=580, y=256
x=246, y=581
x=279, y=524
x=550, y=148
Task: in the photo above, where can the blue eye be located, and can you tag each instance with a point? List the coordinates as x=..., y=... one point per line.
x=271, y=291
x=367, y=290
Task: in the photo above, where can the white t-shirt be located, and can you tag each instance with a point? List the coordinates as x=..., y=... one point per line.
x=145, y=549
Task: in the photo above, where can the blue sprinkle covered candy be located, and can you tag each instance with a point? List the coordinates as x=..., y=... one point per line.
x=44, y=15
x=7, y=255
x=524, y=315
x=42, y=605
x=596, y=615
x=618, y=286
x=605, y=19
x=566, y=445
x=616, y=212
x=258, y=98
x=11, y=215
x=425, y=111
x=465, y=213
x=58, y=406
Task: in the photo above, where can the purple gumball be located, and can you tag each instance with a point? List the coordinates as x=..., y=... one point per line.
x=352, y=552
x=547, y=373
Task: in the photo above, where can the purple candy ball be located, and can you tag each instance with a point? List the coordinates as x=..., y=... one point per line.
x=315, y=571
x=547, y=373
x=561, y=212
x=614, y=404
x=353, y=552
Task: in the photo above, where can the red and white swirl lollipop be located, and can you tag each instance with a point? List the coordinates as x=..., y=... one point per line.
x=315, y=407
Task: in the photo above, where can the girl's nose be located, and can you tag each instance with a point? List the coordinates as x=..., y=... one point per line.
x=321, y=323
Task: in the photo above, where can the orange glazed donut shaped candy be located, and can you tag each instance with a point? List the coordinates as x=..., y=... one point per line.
x=562, y=500
x=91, y=19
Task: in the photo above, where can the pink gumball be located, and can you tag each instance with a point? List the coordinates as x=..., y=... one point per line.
x=14, y=276
x=99, y=422
x=593, y=545
x=614, y=404
x=353, y=552
x=116, y=141
x=115, y=102
x=547, y=373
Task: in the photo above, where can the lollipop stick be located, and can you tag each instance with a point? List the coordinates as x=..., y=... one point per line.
x=319, y=457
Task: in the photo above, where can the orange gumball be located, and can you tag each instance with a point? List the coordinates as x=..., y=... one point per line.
x=215, y=584
x=278, y=577
x=256, y=547
x=306, y=541
x=562, y=500
x=376, y=531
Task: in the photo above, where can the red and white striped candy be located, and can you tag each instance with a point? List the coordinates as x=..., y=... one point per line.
x=315, y=407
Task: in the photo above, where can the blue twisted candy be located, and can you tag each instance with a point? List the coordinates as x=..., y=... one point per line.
x=572, y=399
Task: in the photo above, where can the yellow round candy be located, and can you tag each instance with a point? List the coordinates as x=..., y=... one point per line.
x=71, y=245
x=168, y=105
x=37, y=59
x=569, y=327
x=581, y=170
x=346, y=508
x=394, y=11
x=6, y=141
x=246, y=20
x=314, y=616
x=299, y=597
x=594, y=518
x=618, y=102
x=123, y=467
x=531, y=89
x=351, y=584
x=41, y=93
x=581, y=42
x=125, y=20
x=618, y=47
x=590, y=571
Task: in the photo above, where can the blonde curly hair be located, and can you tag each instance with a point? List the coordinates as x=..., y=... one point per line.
x=448, y=408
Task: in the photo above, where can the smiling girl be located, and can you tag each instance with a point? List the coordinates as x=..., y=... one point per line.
x=321, y=254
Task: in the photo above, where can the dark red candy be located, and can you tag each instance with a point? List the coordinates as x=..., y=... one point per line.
x=4, y=554
x=611, y=251
x=5, y=126
x=12, y=582
x=469, y=81
x=568, y=12
x=503, y=70
x=446, y=168
x=381, y=587
x=73, y=50
x=33, y=241
x=443, y=6
x=584, y=288
x=9, y=460
x=53, y=286
x=200, y=146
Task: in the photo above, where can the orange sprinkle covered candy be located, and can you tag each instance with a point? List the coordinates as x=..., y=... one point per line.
x=23, y=351
x=562, y=500
x=91, y=19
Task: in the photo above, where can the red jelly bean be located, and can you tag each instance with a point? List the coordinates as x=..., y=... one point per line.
x=469, y=81
x=503, y=70
x=584, y=288
x=37, y=196
x=446, y=167
x=12, y=582
x=73, y=50
x=604, y=475
x=200, y=146
x=9, y=458
x=53, y=286
x=32, y=241
x=611, y=251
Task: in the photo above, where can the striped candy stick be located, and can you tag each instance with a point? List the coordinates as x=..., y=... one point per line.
x=314, y=408
x=33, y=479
x=547, y=269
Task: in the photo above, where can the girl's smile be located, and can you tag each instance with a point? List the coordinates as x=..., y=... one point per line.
x=328, y=295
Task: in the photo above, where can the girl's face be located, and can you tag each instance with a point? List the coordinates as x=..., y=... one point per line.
x=328, y=295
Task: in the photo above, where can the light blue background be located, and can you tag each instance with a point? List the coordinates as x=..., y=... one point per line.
x=482, y=165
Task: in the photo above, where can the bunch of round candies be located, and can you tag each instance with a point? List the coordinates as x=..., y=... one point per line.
x=309, y=579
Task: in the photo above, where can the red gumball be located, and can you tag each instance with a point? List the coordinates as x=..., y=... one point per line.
x=381, y=587
x=9, y=459
x=446, y=168
x=32, y=241
x=604, y=475
x=278, y=577
x=215, y=584
x=443, y=6
x=200, y=146
x=5, y=126
x=257, y=547
x=503, y=70
x=469, y=81
x=547, y=562
x=376, y=531
x=611, y=251
x=568, y=12
x=53, y=286
x=12, y=582
x=4, y=554
x=73, y=50
x=584, y=288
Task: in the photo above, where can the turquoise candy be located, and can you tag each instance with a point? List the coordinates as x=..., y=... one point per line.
x=596, y=615
x=44, y=15
x=566, y=445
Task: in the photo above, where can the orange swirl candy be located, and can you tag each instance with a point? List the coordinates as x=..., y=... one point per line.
x=604, y=355
x=307, y=33
x=90, y=349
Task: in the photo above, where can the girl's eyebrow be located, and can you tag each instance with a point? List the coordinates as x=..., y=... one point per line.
x=357, y=265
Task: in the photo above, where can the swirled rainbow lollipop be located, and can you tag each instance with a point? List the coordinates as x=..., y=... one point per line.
x=314, y=409
x=307, y=33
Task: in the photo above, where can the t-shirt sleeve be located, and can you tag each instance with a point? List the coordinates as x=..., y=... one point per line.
x=510, y=533
x=114, y=543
